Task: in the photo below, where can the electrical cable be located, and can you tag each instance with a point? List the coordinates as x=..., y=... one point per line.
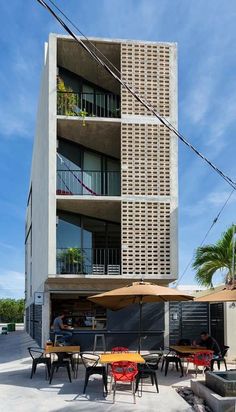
x=86, y=38
x=162, y=120
x=206, y=235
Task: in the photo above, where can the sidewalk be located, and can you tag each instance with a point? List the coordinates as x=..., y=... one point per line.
x=18, y=393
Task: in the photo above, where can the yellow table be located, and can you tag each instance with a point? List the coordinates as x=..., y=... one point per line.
x=189, y=350
x=121, y=357
x=62, y=349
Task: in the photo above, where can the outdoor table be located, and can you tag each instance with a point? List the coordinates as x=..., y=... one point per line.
x=188, y=350
x=121, y=357
x=62, y=349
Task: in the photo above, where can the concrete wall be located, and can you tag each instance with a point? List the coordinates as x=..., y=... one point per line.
x=230, y=329
x=43, y=177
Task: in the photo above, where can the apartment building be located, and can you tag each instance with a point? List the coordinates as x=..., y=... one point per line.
x=103, y=197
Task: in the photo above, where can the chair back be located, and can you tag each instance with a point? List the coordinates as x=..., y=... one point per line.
x=89, y=360
x=184, y=342
x=124, y=372
x=152, y=361
x=224, y=351
x=35, y=352
x=120, y=349
x=202, y=358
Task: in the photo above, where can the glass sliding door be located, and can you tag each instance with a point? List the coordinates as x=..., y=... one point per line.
x=87, y=98
x=92, y=174
x=69, y=164
x=82, y=171
x=87, y=245
x=69, y=250
x=113, y=177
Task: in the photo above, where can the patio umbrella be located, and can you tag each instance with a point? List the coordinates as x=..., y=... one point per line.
x=227, y=294
x=139, y=292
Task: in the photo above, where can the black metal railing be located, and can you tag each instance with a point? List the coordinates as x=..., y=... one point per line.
x=94, y=261
x=88, y=182
x=88, y=104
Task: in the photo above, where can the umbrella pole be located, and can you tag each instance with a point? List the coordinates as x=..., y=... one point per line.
x=140, y=323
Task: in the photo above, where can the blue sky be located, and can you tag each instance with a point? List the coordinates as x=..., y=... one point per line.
x=206, y=36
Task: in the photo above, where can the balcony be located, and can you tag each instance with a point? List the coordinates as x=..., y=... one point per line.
x=88, y=104
x=88, y=182
x=88, y=261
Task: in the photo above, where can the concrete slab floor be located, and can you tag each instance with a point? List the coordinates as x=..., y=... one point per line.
x=20, y=393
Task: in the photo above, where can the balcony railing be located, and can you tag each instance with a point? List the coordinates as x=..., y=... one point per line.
x=88, y=261
x=88, y=182
x=88, y=104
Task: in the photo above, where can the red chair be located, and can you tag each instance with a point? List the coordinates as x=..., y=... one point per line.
x=117, y=349
x=120, y=349
x=124, y=372
x=202, y=358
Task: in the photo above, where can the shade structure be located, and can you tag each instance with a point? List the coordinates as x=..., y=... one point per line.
x=225, y=295
x=139, y=292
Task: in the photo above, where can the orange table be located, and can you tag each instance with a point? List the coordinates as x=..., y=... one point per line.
x=121, y=357
x=62, y=349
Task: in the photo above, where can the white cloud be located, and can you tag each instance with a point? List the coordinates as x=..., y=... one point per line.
x=7, y=246
x=11, y=284
x=212, y=201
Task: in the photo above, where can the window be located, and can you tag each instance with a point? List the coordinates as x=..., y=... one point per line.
x=80, y=313
x=86, y=172
x=86, y=245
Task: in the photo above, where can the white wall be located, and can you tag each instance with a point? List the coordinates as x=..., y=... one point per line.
x=230, y=329
x=43, y=175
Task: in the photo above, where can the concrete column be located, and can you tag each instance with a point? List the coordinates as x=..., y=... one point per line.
x=166, y=325
x=45, y=318
x=230, y=330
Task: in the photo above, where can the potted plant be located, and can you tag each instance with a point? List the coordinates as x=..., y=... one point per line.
x=83, y=114
x=71, y=260
x=67, y=101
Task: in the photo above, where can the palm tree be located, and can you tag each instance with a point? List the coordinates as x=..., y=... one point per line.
x=210, y=258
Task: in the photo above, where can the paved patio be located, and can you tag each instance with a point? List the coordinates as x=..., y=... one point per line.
x=19, y=393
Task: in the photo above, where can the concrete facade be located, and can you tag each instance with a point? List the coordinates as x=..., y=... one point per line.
x=229, y=329
x=147, y=206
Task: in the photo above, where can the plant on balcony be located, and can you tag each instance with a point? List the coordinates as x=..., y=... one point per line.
x=83, y=114
x=67, y=101
x=71, y=260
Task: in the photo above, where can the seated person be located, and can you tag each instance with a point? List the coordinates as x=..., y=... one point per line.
x=210, y=343
x=61, y=329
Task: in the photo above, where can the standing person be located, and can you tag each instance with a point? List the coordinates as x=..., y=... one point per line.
x=61, y=329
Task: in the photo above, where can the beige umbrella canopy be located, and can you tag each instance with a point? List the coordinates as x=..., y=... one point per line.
x=139, y=292
x=227, y=294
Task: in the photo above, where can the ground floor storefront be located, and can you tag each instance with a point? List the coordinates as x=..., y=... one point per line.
x=162, y=323
x=120, y=328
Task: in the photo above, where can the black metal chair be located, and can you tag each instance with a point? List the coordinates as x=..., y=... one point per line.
x=75, y=359
x=148, y=370
x=220, y=359
x=92, y=367
x=38, y=357
x=59, y=362
x=171, y=357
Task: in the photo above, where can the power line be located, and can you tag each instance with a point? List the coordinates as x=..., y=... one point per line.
x=164, y=121
x=86, y=38
x=206, y=235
